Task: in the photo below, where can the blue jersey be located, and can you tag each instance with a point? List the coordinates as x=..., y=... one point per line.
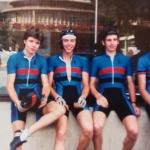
x=28, y=73
x=78, y=65
x=143, y=67
x=111, y=73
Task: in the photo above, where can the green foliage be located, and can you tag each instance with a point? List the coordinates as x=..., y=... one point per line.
x=6, y=35
x=117, y=13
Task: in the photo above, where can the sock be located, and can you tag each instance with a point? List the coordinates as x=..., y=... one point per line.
x=25, y=134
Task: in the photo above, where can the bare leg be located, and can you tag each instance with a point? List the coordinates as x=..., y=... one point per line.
x=99, y=119
x=131, y=126
x=61, y=131
x=52, y=112
x=85, y=120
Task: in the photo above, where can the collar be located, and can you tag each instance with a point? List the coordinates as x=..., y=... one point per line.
x=33, y=57
x=61, y=57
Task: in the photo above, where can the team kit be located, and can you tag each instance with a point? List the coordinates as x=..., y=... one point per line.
x=30, y=80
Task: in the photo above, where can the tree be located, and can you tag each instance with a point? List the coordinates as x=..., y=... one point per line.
x=117, y=13
x=6, y=38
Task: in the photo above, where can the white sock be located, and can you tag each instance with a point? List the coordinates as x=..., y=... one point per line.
x=25, y=134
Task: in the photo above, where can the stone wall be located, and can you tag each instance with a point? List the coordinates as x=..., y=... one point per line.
x=114, y=132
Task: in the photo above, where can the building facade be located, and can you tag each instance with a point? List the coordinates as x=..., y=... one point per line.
x=53, y=16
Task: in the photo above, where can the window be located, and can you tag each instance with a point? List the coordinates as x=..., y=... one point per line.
x=131, y=18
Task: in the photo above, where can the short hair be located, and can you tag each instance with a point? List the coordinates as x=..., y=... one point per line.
x=109, y=31
x=35, y=33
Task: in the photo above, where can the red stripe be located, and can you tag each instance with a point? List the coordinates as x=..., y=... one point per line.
x=25, y=71
x=109, y=70
x=141, y=73
x=76, y=70
x=63, y=69
x=148, y=72
x=60, y=70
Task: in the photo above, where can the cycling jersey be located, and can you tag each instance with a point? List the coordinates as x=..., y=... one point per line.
x=68, y=77
x=28, y=78
x=112, y=74
x=28, y=72
x=143, y=67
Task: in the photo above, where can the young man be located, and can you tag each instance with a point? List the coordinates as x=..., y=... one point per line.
x=143, y=71
x=70, y=74
x=112, y=69
x=26, y=71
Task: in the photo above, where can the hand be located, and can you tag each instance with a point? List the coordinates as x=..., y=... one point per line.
x=20, y=108
x=136, y=110
x=43, y=102
x=102, y=101
x=80, y=103
x=62, y=102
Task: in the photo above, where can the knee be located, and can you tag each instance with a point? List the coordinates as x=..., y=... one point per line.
x=60, y=136
x=98, y=128
x=88, y=132
x=61, y=109
x=133, y=133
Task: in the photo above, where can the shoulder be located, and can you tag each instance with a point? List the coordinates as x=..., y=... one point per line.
x=16, y=56
x=124, y=57
x=40, y=57
x=144, y=60
x=98, y=58
x=80, y=58
x=145, y=56
x=53, y=58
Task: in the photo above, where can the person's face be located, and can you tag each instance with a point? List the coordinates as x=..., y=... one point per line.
x=69, y=44
x=31, y=45
x=111, y=42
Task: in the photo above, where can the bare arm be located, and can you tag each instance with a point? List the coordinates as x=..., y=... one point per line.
x=45, y=90
x=132, y=93
x=85, y=83
x=50, y=80
x=142, y=88
x=100, y=99
x=10, y=87
x=85, y=89
x=45, y=84
x=53, y=93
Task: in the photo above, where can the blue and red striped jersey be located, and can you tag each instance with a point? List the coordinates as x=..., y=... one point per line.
x=111, y=73
x=57, y=65
x=143, y=67
x=28, y=72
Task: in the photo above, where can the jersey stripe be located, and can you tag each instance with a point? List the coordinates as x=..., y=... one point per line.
x=24, y=81
x=109, y=70
x=148, y=72
x=63, y=69
x=60, y=70
x=106, y=80
x=64, y=78
x=25, y=71
x=76, y=70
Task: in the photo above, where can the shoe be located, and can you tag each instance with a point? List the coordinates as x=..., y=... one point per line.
x=16, y=141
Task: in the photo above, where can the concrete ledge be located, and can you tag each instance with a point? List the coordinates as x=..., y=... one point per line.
x=114, y=132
